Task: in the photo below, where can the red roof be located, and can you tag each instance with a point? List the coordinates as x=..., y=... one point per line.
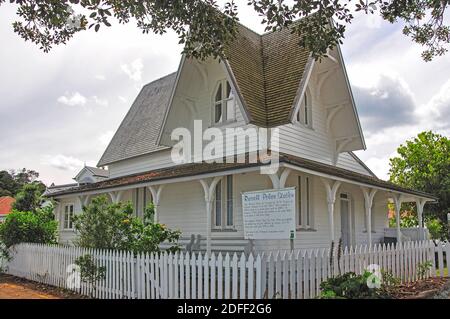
x=6, y=205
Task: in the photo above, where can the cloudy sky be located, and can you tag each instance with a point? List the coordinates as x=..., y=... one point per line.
x=59, y=110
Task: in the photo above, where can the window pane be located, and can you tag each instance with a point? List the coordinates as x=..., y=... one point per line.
x=218, y=204
x=306, y=115
x=300, y=220
x=229, y=200
x=218, y=113
x=230, y=110
x=144, y=201
x=229, y=93
x=66, y=218
x=219, y=93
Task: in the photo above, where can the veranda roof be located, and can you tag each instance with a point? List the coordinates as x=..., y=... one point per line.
x=198, y=169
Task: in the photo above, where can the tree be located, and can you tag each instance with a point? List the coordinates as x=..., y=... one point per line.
x=8, y=185
x=28, y=227
x=205, y=28
x=423, y=163
x=12, y=182
x=102, y=225
x=29, y=198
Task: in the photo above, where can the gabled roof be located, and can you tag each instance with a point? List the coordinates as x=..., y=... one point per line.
x=6, y=203
x=97, y=172
x=268, y=70
x=137, y=134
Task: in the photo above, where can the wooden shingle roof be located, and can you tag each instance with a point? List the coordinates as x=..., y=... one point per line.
x=137, y=134
x=268, y=70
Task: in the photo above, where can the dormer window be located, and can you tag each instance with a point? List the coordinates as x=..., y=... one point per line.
x=224, y=104
x=304, y=113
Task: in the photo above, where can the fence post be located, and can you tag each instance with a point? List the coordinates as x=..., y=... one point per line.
x=440, y=259
x=259, y=277
x=447, y=255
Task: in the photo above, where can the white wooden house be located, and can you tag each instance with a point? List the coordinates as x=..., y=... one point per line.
x=265, y=81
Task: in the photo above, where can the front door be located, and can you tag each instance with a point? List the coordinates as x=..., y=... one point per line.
x=346, y=221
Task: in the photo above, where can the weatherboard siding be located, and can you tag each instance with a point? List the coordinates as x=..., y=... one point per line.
x=315, y=143
x=347, y=161
x=182, y=207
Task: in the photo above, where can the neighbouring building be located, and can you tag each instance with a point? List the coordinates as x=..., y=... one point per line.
x=6, y=203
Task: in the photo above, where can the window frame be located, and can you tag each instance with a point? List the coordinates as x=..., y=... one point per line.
x=226, y=204
x=222, y=84
x=305, y=202
x=303, y=115
x=69, y=218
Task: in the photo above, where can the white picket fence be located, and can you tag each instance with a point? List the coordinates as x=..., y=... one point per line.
x=291, y=275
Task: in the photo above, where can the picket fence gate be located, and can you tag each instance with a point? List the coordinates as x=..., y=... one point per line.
x=289, y=275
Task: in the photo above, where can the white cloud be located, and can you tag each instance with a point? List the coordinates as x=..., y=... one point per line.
x=100, y=77
x=122, y=99
x=106, y=137
x=134, y=69
x=99, y=101
x=439, y=104
x=380, y=166
x=63, y=162
x=74, y=99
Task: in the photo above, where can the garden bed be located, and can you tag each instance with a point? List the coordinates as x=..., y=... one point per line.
x=422, y=289
x=18, y=288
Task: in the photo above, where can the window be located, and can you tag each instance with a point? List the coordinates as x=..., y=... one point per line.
x=136, y=202
x=305, y=216
x=223, y=205
x=304, y=113
x=224, y=104
x=68, y=216
x=229, y=200
x=141, y=198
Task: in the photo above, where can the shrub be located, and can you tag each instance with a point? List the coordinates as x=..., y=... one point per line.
x=408, y=219
x=29, y=227
x=103, y=225
x=436, y=228
x=89, y=272
x=351, y=286
x=423, y=268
